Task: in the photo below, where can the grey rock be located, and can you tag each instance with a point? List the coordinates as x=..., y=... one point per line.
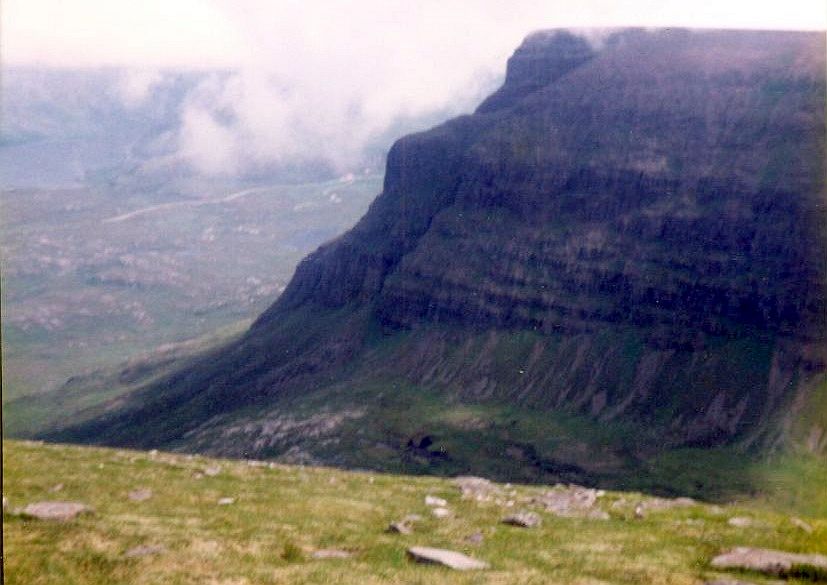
x=640, y=511
x=400, y=527
x=657, y=504
x=60, y=511
x=741, y=522
x=212, y=471
x=799, y=523
x=435, y=501
x=331, y=553
x=404, y=526
x=571, y=501
x=523, y=519
x=448, y=558
x=768, y=561
x=144, y=551
x=441, y=512
x=140, y=494
x=475, y=538
x=226, y=501
x=476, y=488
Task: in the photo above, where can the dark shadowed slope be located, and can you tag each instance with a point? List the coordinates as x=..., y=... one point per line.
x=624, y=246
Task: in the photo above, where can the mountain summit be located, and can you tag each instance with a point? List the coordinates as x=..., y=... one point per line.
x=621, y=252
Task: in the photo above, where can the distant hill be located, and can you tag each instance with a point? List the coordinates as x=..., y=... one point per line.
x=617, y=260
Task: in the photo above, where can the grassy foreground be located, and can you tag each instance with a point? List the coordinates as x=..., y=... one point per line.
x=281, y=514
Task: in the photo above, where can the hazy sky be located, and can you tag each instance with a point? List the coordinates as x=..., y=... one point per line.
x=208, y=32
x=326, y=76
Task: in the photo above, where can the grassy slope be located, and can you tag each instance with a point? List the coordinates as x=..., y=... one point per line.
x=282, y=513
x=87, y=395
x=489, y=437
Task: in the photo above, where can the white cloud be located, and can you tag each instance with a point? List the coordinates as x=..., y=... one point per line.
x=325, y=77
x=136, y=85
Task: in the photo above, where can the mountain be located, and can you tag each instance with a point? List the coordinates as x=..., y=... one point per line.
x=620, y=256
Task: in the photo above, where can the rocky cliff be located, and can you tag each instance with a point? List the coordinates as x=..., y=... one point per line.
x=631, y=230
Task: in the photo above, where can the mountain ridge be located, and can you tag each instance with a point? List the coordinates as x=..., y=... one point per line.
x=636, y=238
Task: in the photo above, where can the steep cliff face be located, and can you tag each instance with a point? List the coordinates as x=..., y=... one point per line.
x=633, y=232
x=673, y=179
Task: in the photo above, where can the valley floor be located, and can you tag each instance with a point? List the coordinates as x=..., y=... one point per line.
x=172, y=518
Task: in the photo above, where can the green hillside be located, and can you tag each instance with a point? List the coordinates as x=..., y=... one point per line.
x=281, y=516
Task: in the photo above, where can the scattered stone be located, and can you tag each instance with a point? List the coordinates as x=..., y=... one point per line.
x=441, y=512
x=197, y=475
x=571, y=501
x=331, y=553
x=5, y=503
x=140, y=494
x=56, y=488
x=448, y=558
x=656, y=504
x=399, y=528
x=475, y=538
x=60, y=511
x=212, y=471
x=404, y=526
x=770, y=562
x=476, y=488
x=640, y=511
x=153, y=453
x=226, y=501
x=256, y=463
x=144, y=551
x=523, y=519
x=741, y=522
x=799, y=523
x=434, y=501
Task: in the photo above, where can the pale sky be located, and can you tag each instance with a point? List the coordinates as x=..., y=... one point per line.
x=325, y=77
x=230, y=32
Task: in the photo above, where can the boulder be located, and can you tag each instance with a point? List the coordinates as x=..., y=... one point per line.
x=144, y=551
x=741, y=522
x=140, y=494
x=331, y=553
x=523, y=519
x=435, y=501
x=571, y=501
x=60, y=511
x=447, y=558
x=799, y=523
x=404, y=526
x=768, y=561
x=476, y=488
